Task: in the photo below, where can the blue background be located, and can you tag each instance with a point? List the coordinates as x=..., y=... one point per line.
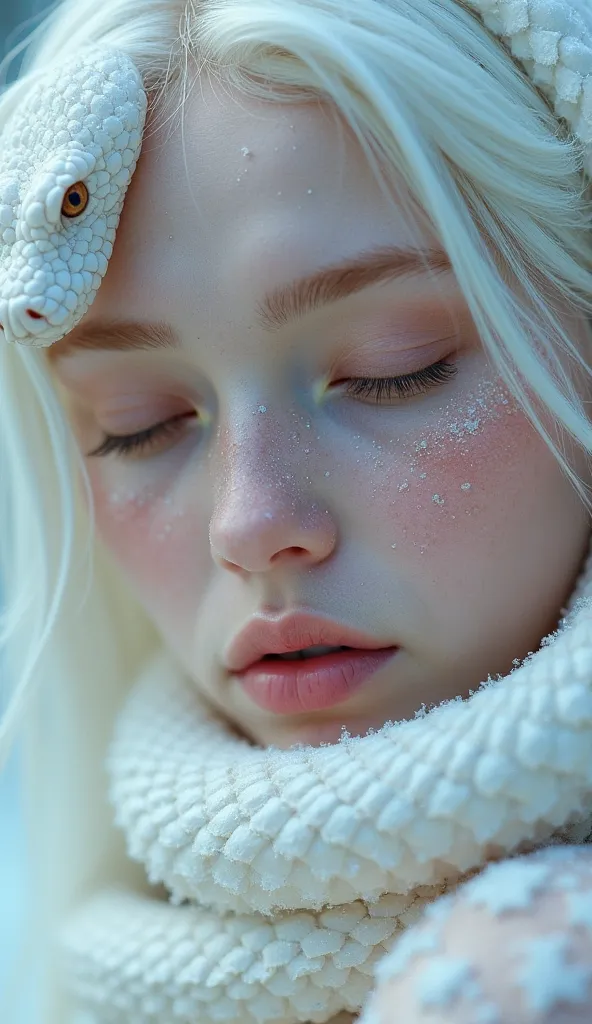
x=14, y=24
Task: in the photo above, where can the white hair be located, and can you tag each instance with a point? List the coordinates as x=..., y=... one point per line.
x=437, y=103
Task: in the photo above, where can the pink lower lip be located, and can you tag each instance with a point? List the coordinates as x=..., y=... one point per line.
x=293, y=687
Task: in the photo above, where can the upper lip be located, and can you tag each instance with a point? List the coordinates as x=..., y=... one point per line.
x=291, y=633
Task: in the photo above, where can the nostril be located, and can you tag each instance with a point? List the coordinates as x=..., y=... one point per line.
x=34, y=314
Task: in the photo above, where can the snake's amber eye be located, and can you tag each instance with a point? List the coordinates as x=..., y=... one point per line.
x=76, y=200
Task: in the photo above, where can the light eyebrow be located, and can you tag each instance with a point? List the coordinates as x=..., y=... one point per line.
x=116, y=335
x=384, y=263
x=282, y=305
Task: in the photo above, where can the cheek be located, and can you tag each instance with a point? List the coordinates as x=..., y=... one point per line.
x=154, y=539
x=468, y=488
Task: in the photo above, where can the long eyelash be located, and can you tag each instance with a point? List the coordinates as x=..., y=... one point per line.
x=407, y=386
x=381, y=388
x=123, y=444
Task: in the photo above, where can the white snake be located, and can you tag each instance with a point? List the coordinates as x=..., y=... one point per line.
x=66, y=160
x=291, y=872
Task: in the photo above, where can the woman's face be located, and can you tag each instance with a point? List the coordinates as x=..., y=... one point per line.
x=424, y=513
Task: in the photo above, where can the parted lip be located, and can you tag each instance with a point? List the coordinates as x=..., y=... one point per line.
x=289, y=633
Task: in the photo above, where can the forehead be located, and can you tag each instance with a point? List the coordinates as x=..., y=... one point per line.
x=240, y=195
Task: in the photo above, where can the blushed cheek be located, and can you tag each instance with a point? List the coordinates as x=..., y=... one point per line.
x=464, y=489
x=153, y=538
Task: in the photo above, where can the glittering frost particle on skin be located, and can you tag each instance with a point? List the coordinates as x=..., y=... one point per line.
x=547, y=978
x=410, y=945
x=580, y=908
x=510, y=885
x=443, y=980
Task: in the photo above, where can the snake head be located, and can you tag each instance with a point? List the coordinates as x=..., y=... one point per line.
x=67, y=156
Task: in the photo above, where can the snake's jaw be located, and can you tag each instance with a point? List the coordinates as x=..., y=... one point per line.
x=40, y=299
x=61, y=299
x=66, y=160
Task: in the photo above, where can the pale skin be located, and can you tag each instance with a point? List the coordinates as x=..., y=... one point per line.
x=420, y=520
x=529, y=964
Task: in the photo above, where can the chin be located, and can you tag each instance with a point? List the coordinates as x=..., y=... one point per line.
x=315, y=734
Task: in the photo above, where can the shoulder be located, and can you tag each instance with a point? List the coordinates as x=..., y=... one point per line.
x=513, y=944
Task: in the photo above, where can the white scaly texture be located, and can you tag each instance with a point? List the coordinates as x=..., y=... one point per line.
x=292, y=872
x=82, y=122
x=553, y=42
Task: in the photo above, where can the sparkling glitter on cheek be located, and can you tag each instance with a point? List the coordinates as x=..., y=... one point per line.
x=159, y=539
x=134, y=522
x=429, y=484
x=124, y=503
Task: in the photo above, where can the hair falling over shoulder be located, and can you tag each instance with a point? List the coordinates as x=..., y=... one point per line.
x=435, y=101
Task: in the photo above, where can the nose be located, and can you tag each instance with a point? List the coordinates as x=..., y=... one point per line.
x=259, y=525
x=20, y=318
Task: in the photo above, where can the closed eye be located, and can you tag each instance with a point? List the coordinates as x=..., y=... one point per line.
x=381, y=389
x=386, y=389
x=128, y=444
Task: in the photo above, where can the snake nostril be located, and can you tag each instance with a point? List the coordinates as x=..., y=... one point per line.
x=34, y=314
